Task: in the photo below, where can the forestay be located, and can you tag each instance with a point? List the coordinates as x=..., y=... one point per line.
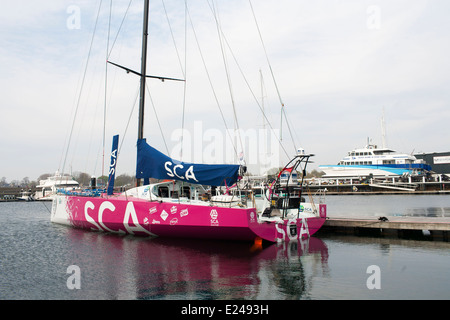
x=153, y=164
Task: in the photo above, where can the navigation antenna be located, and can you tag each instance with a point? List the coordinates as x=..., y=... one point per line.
x=383, y=131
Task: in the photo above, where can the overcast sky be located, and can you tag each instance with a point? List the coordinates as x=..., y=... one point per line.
x=337, y=65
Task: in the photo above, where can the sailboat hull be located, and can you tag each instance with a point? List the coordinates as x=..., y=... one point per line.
x=120, y=214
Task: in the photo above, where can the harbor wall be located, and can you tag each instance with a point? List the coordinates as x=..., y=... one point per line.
x=13, y=193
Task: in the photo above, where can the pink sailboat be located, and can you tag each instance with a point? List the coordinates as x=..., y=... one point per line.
x=178, y=207
x=162, y=210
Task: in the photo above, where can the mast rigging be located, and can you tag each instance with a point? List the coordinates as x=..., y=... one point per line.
x=143, y=74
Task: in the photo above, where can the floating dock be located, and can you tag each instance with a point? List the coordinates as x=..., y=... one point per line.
x=434, y=228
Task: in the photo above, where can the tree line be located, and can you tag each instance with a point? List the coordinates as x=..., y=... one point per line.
x=84, y=179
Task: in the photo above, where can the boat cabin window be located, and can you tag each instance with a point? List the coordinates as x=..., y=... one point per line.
x=186, y=192
x=383, y=151
x=366, y=153
x=167, y=192
x=163, y=192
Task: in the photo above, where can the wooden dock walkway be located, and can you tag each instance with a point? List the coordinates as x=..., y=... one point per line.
x=435, y=227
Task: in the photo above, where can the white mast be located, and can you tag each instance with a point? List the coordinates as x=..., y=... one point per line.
x=383, y=131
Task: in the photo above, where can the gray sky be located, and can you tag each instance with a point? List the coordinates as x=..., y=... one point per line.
x=337, y=64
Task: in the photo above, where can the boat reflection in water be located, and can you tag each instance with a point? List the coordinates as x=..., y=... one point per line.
x=115, y=267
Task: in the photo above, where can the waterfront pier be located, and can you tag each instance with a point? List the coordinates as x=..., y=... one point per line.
x=437, y=228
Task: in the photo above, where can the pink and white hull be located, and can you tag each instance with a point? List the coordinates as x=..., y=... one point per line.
x=130, y=215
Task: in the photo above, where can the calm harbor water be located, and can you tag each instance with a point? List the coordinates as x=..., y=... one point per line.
x=35, y=256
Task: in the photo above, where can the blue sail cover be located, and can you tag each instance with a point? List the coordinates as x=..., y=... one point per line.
x=153, y=164
x=112, y=166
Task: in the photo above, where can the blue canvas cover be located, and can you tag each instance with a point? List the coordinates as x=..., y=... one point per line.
x=112, y=166
x=153, y=164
